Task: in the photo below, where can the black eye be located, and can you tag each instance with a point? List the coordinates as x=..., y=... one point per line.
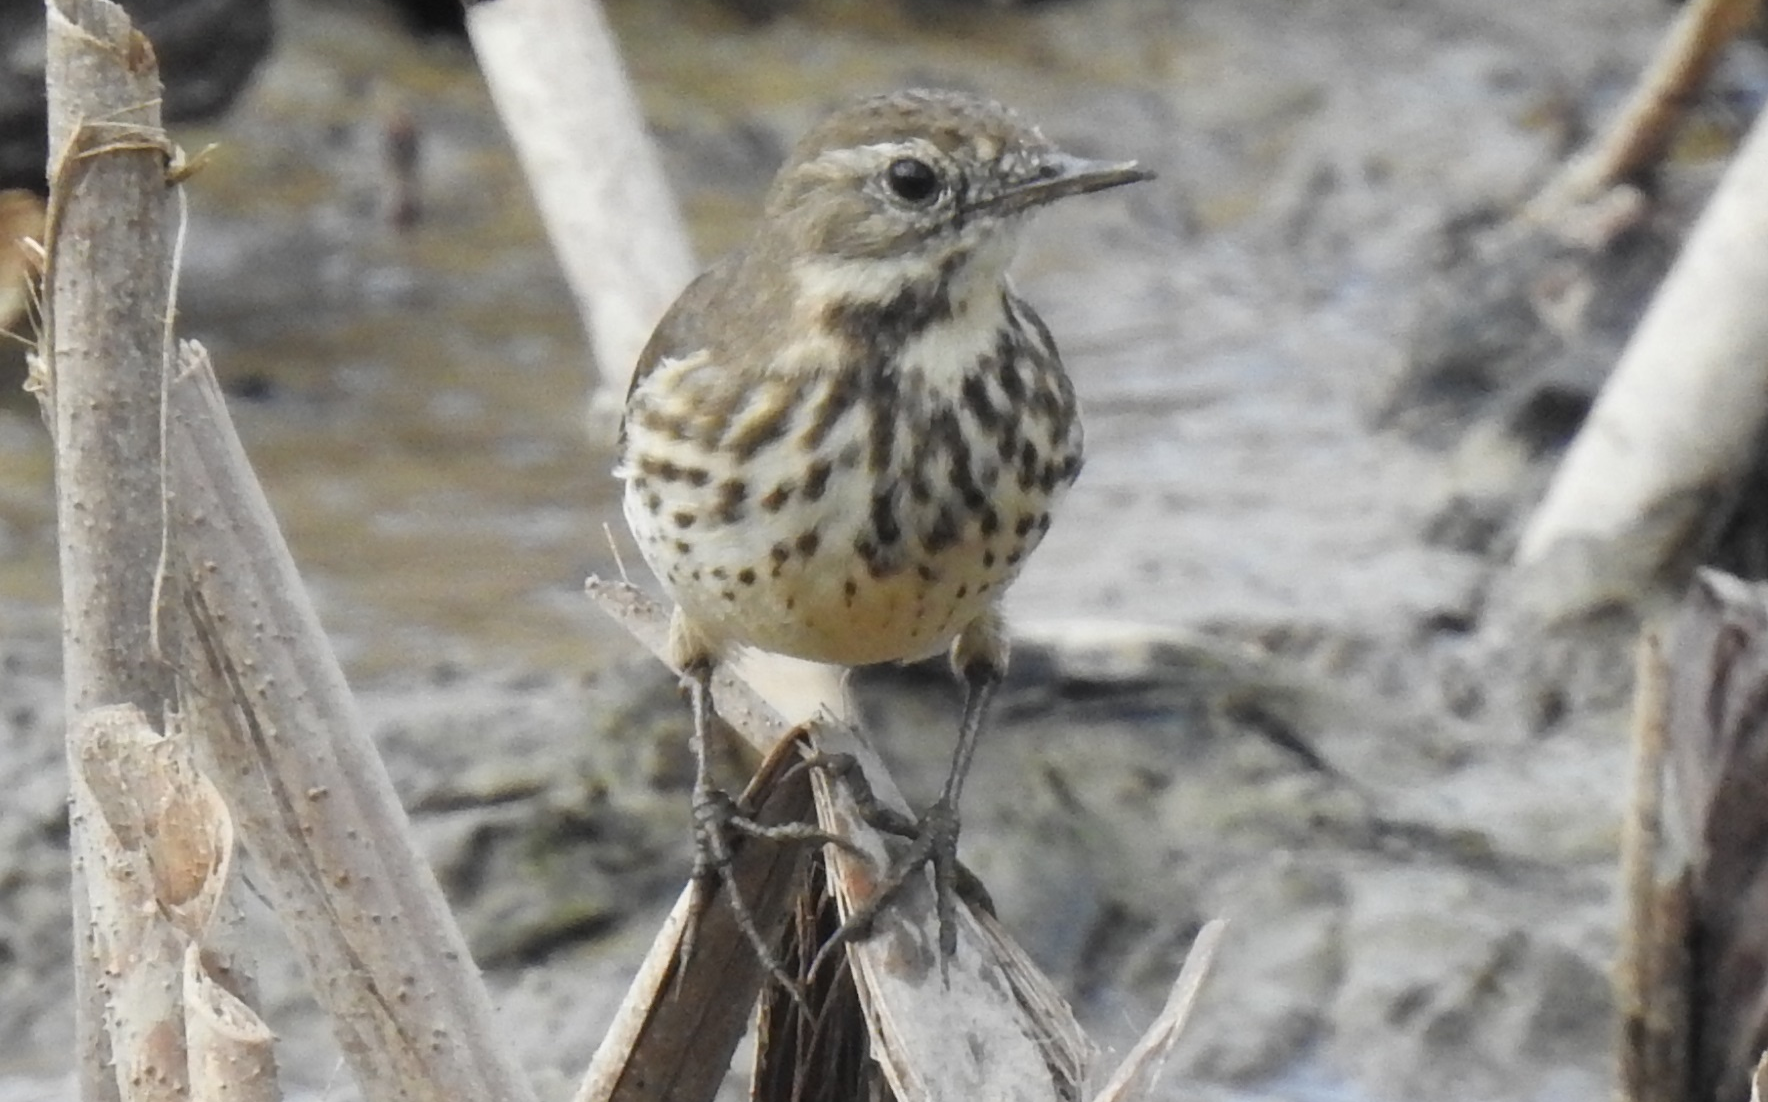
x=912, y=181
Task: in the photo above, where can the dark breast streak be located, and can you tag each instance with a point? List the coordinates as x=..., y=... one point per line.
x=866, y=492
x=977, y=454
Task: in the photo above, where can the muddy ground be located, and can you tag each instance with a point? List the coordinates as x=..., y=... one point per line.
x=1260, y=677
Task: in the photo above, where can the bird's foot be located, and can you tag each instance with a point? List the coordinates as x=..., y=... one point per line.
x=718, y=820
x=933, y=840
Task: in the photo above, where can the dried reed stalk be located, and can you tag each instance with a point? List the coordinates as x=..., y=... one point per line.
x=556, y=77
x=1641, y=132
x=97, y=365
x=280, y=734
x=1679, y=422
x=160, y=850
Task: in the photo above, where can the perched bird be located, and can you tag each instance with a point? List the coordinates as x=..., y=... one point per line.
x=844, y=439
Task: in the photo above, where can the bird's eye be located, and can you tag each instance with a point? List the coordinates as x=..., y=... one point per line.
x=911, y=181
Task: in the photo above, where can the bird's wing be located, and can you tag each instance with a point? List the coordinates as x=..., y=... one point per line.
x=680, y=333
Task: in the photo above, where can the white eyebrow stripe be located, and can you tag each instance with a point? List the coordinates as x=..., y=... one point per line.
x=864, y=158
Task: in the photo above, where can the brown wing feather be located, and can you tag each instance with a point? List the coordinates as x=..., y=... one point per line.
x=680, y=333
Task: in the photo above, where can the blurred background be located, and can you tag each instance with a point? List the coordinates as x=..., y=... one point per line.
x=1257, y=679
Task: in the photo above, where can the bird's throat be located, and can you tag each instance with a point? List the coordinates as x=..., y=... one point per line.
x=927, y=315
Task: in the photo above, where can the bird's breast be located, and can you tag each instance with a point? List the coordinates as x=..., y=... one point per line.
x=862, y=513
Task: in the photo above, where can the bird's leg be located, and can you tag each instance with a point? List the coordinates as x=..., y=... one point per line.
x=715, y=816
x=980, y=658
x=980, y=682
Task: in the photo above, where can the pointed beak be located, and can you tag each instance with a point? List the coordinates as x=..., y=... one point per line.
x=1061, y=176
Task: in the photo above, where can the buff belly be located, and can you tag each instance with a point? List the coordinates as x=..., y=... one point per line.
x=794, y=584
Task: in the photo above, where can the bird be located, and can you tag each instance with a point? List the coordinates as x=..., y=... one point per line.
x=844, y=438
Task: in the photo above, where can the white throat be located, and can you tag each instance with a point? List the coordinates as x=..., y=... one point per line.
x=944, y=350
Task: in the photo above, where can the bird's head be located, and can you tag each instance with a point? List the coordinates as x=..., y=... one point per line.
x=915, y=178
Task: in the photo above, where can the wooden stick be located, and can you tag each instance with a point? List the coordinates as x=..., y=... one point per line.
x=101, y=351
x=1136, y=1077
x=561, y=90
x=1678, y=422
x=1641, y=132
x=1653, y=1034
x=310, y=795
x=232, y=1053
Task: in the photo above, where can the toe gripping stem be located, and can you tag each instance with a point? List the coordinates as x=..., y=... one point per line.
x=717, y=820
x=933, y=839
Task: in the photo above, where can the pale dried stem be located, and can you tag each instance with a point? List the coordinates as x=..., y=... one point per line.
x=1642, y=830
x=105, y=291
x=1716, y=931
x=1678, y=423
x=314, y=805
x=1651, y=993
x=1641, y=132
x=108, y=243
x=160, y=846
x=231, y=1053
x=678, y=1025
x=138, y=951
x=556, y=77
x=1135, y=1078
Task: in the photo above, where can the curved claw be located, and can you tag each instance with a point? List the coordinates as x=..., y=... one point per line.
x=934, y=841
x=715, y=818
x=716, y=815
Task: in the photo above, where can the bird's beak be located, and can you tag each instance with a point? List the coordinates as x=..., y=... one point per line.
x=1061, y=176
